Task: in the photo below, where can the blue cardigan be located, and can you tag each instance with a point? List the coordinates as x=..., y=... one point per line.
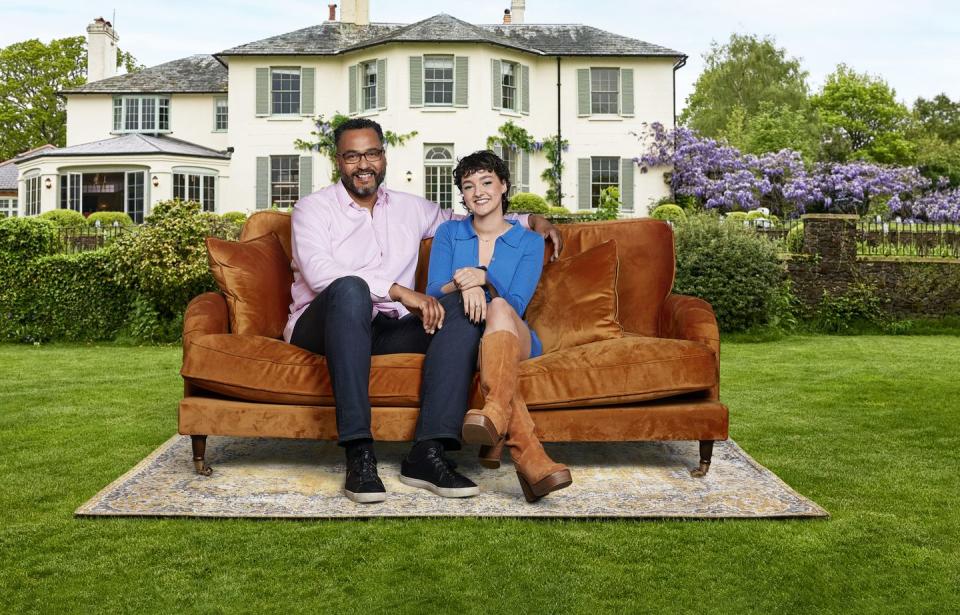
x=514, y=268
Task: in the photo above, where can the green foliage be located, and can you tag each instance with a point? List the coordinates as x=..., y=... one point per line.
x=552, y=148
x=862, y=119
x=736, y=216
x=61, y=297
x=511, y=136
x=859, y=303
x=773, y=128
x=558, y=211
x=671, y=212
x=743, y=73
x=146, y=324
x=236, y=217
x=324, y=143
x=794, y=241
x=939, y=117
x=26, y=238
x=166, y=261
x=65, y=218
x=31, y=74
x=733, y=268
x=527, y=202
x=937, y=158
x=609, y=206
x=107, y=218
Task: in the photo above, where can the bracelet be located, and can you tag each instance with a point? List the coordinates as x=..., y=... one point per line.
x=481, y=267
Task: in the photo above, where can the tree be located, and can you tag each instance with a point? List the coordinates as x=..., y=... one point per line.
x=743, y=73
x=862, y=119
x=939, y=116
x=771, y=129
x=31, y=74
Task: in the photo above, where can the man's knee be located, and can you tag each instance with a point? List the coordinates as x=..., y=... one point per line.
x=350, y=290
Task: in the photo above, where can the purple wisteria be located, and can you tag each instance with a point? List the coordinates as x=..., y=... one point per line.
x=721, y=177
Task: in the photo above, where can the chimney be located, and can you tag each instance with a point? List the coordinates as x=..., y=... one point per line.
x=517, y=8
x=355, y=12
x=506, y=15
x=101, y=50
x=333, y=12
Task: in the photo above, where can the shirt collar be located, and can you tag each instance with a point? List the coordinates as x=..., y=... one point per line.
x=512, y=237
x=346, y=200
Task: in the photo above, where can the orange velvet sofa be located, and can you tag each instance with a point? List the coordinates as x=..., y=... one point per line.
x=658, y=381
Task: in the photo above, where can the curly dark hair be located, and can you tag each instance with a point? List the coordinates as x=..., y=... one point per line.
x=483, y=160
x=357, y=123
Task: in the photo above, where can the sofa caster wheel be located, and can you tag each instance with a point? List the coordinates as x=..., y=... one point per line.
x=202, y=468
x=701, y=471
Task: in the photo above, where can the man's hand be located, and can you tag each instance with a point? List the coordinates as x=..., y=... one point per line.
x=475, y=304
x=547, y=230
x=470, y=277
x=426, y=307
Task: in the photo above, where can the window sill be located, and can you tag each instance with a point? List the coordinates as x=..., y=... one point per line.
x=221, y=132
x=604, y=118
x=284, y=118
x=439, y=109
x=510, y=113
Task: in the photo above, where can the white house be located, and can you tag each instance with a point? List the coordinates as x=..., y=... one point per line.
x=221, y=129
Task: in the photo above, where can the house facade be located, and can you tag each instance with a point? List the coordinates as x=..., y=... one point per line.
x=222, y=129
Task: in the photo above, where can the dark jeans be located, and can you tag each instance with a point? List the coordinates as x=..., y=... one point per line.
x=337, y=325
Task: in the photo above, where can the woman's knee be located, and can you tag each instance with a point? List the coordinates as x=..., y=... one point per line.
x=500, y=316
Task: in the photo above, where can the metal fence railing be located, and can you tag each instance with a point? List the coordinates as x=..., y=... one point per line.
x=924, y=239
x=74, y=240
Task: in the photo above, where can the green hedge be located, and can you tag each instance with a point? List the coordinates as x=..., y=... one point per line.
x=528, y=203
x=107, y=218
x=61, y=297
x=65, y=218
x=671, y=212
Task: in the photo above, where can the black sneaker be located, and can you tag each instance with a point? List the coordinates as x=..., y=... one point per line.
x=363, y=486
x=436, y=473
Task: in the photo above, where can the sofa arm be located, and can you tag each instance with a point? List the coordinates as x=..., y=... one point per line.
x=207, y=313
x=689, y=318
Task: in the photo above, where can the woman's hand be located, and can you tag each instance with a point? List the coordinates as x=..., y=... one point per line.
x=470, y=277
x=475, y=304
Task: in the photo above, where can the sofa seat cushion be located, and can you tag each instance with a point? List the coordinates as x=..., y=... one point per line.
x=255, y=368
x=617, y=371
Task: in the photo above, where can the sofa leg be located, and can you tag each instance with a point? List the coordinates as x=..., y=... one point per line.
x=706, y=453
x=199, y=451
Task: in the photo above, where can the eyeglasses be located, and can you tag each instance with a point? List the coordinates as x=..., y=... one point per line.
x=371, y=155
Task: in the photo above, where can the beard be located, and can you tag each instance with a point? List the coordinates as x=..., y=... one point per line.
x=349, y=182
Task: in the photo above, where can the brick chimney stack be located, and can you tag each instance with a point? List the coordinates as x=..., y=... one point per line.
x=333, y=12
x=506, y=15
x=101, y=50
x=517, y=9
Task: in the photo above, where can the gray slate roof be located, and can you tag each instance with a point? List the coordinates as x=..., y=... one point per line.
x=198, y=74
x=8, y=168
x=333, y=37
x=132, y=144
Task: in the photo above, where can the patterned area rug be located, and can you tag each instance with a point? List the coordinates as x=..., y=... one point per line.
x=303, y=479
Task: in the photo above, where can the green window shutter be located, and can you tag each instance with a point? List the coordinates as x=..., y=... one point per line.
x=626, y=183
x=263, y=91
x=583, y=183
x=381, y=84
x=524, y=89
x=416, y=81
x=352, y=85
x=307, y=89
x=263, y=182
x=525, y=172
x=583, y=91
x=460, y=80
x=626, y=91
x=496, y=84
x=306, y=175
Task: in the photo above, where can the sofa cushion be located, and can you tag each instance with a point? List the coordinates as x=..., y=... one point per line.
x=576, y=300
x=256, y=368
x=255, y=278
x=618, y=371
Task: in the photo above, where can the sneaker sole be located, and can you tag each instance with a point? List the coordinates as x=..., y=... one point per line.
x=365, y=498
x=444, y=492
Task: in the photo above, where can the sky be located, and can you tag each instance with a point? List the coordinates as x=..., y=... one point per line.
x=914, y=46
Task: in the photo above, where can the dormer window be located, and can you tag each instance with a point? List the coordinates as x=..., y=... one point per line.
x=150, y=114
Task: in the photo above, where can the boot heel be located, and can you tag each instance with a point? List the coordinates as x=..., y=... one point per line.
x=490, y=455
x=478, y=429
x=553, y=482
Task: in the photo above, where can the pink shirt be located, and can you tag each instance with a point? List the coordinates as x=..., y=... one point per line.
x=333, y=237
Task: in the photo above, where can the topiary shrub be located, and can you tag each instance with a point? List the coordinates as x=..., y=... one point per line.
x=794, y=240
x=65, y=218
x=165, y=263
x=736, y=216
x=671, y=212
x=732, y=268
x=236, y=217
x=558, y=211
x=528, y=203
x=107, y=218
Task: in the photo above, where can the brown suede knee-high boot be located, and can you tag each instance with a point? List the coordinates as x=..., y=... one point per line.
x=538, y=474
x=498, y=381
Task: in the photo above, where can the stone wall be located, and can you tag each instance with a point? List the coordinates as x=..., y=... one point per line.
x=908, y=286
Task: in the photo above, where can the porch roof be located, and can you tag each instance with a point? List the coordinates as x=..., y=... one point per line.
x=131, y=144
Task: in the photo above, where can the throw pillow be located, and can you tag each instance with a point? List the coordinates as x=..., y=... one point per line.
x=576, y=300
x=255, y=278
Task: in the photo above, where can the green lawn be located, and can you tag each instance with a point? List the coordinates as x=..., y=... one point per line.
x=866, y=426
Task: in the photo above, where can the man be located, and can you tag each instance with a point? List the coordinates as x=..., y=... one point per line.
x=355, y=246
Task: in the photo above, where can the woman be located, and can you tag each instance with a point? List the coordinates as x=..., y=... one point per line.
x=495, y=264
